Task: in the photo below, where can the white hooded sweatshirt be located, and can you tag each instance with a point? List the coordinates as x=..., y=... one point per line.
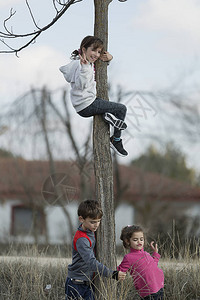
x=83, y=85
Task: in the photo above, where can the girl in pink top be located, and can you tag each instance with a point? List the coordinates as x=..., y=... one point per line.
x=147, y=277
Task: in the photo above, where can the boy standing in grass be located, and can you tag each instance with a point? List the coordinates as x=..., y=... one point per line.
x=84, y=263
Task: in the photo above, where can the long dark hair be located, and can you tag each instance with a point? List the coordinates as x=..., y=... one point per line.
x=87, y=42
x=127, y=233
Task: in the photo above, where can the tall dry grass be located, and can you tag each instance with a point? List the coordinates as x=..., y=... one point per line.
x=25, y=277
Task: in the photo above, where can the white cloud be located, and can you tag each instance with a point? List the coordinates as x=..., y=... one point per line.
x=178, y=21
x=35, y=68
x=171, y=15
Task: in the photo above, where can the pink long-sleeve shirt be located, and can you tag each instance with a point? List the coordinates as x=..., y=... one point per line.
x=147, y=277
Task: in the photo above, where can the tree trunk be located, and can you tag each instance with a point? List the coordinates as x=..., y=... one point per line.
x=106, y=251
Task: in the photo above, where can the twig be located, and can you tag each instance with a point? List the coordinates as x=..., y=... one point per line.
x=34, y=34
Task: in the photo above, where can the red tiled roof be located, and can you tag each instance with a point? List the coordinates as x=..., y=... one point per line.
x=155, y=186
x=18, y=175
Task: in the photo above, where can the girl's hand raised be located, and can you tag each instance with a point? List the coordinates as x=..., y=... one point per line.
x=154, y=248
x=83, y=59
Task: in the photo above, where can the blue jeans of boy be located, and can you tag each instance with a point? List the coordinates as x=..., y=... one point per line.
x=78, y=291
x=156, y=296
x=100, y=107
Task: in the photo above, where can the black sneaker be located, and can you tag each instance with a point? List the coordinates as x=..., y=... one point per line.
x=118, y=147
x=112, y=120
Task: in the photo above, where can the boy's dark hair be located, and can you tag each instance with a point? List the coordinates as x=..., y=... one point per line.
x=90, y=209
x=127, y=232
x=87, y=42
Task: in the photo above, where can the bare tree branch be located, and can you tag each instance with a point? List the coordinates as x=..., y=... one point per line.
x=32, y=17
x=33, y=35
x=12, y=13
x=81, y=158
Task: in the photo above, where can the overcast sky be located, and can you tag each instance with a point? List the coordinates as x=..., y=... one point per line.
x=152, y=42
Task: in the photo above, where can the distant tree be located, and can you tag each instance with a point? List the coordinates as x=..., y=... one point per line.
x=5, y=153
x=37, y=118
x=171, y=163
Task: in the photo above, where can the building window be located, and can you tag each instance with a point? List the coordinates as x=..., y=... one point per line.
x=26, y=221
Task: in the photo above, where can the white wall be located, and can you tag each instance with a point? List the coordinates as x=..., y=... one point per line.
x=124, y=216
x=58, y=228
x=193, y=212
x=5, y=221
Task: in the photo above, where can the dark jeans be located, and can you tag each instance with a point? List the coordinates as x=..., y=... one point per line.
x=78, y=291
x=100, y=107
x=156, y=296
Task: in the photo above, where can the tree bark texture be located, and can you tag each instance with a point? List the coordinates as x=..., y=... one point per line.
x=106, y=251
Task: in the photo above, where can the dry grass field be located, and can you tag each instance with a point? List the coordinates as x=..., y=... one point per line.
x=25, y=278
